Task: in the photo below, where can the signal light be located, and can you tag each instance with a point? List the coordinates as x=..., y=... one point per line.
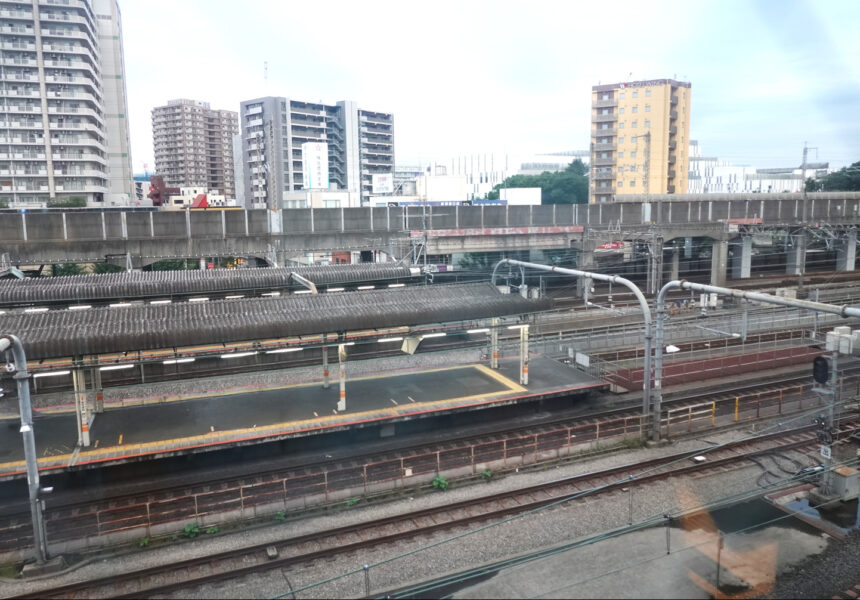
x=821, y=369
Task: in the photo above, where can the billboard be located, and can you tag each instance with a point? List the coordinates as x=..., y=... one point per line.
x=383, y=183
x=315, y=166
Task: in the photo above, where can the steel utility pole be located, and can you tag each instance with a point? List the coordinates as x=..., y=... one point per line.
x=19, y=366
x=804, y=224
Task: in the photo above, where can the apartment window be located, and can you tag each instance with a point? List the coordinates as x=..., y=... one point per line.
x=633, y=183
x=621, y=126
x=620, y=155
x=620, y=184
x=622, y=95
x=647, y=123
x=634, y=124
x=621, y=140
x=620, y=111
x=648, y=93
x=633, y=139
x=635, y=94
x=633, y=154
x=635, y=109
x=647, y=108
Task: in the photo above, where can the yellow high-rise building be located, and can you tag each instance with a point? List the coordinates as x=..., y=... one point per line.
x=640, y=132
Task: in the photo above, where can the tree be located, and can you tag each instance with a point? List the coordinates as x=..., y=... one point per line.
x=106, y=267
x=846, y=179
x=175, y=265
x=67, y=269
x=569, y=186
x=73, y=202
x=4, y=203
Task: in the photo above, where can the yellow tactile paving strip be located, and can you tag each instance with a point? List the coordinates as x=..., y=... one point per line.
x=119, y=451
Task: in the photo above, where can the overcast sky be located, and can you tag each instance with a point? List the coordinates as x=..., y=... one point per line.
x=473, y=76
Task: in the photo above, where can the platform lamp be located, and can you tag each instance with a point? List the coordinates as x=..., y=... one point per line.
x=10, y=344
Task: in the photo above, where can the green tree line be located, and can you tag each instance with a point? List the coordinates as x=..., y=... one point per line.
x=846, y=179
x=569, y=186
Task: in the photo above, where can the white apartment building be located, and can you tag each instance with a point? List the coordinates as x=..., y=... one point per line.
x=193, y=145
x=63, y=111
x=360, y=144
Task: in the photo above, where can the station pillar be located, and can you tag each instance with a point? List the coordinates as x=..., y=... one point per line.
x=494, y=343
x=98, y=393
x=524, y=355
x=81, y=407
x=341, y=359
x=742, y=259
x=796, y=255
x=846, y=251
x=676, y=263
x=325, y=367
x=719, y=258
x=688, y=247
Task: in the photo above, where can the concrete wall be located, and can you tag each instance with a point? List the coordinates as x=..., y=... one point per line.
x=76, y=235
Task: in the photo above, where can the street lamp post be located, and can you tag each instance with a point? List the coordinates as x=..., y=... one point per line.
x=19, y=366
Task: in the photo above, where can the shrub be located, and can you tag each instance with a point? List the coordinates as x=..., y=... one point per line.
x=192, y=530
x=144, y=542
x=440, y=483
x=212, y=530
x=280, y=516
x=487, y=474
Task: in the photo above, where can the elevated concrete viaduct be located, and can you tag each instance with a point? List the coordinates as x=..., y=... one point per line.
x=50, y=237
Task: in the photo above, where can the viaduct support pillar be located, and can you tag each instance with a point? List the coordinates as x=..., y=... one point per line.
x=795, y=259
x=584, y=262
x=719, y=258
x=847, y=251
x=655, y=265
x=81, y=407
x=676, y=262
x=742, y=259
x=341, y=359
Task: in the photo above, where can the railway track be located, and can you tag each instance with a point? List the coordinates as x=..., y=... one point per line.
x=78, y=516
x=311, y=547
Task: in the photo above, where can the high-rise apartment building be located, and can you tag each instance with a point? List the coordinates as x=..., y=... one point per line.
x=640, y=133
x=193, y=145
x=360, y=145
x=63, y=124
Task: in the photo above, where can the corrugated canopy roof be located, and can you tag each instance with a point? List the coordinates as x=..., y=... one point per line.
x=147, y=284
x=66, y=333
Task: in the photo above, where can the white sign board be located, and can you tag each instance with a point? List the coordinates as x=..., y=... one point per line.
x=582, y=359
x=383, y=183
x=825, y=451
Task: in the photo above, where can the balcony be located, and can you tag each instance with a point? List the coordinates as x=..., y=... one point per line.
x=603, y=175
x=598, y=147
x=673, y=130
x=17, y=14
x=670, y=189
x=19, y=62
x=671, y=159
x=674, y=100
x=608, y=132
x=18, y=46
x=673, y=144
x=603, y=162
x=604, y=118
x=673, y=114
x=605, y=103
x=671, y=173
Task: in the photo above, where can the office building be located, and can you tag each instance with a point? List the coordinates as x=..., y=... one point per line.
x=63, y=111
x=193, y=145
x=640, y=132
x=360, y=144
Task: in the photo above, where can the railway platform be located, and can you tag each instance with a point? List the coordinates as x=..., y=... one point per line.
x=219, y=421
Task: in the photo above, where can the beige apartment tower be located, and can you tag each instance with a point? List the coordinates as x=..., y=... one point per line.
x=193, y=145
x=640, y=134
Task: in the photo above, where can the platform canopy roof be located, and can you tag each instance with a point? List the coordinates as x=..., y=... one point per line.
x=149, y=284
x=68, y=333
